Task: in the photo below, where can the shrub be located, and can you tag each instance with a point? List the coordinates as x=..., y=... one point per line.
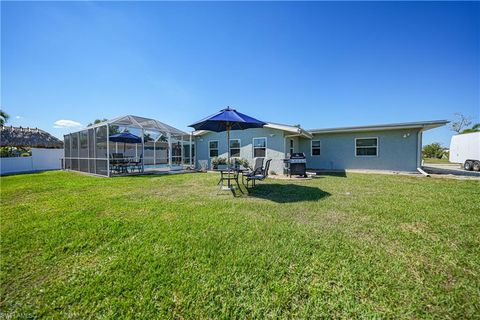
x=242, y=162
x=218, y=161
x=433, y=150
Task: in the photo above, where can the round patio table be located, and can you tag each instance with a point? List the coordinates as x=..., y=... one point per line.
x=229, y=175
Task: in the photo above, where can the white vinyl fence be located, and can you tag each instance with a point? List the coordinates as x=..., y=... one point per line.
x=41, y=159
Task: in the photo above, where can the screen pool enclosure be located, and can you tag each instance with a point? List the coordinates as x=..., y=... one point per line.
x=156, y=147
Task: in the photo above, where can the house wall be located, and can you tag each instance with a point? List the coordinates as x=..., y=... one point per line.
x=296, y=143
x=275, y=146
x=395, y=152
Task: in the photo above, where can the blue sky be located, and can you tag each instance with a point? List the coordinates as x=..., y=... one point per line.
x=315, y=64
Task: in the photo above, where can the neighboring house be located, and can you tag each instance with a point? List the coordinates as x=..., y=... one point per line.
x=46, y=150
x=394, y=147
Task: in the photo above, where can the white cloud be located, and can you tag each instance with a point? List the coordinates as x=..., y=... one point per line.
x=18, y=117
x=66, y=124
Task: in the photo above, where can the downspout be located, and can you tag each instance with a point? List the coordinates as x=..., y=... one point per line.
x=419, y=153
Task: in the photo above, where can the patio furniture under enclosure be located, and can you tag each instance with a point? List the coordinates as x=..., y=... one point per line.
x=161, y=148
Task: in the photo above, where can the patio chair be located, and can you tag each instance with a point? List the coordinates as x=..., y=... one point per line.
x=257, y=168
x=261, y=176
x=137, y=163
x=116, y=162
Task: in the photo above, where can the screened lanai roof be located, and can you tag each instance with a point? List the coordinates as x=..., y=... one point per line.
x=142, y=123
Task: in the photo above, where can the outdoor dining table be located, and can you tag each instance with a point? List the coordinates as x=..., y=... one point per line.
x=230, y=175
x=122, y=164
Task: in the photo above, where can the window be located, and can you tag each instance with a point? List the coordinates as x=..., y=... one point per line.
x=315, y=148
x=291, y=147
x=366, y=147
x=259, y=147
x=234, y=147
x=213, y=149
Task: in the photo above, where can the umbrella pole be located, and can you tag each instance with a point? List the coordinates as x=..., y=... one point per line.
x=228, y=154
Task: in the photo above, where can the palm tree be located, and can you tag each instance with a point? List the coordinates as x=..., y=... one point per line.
x=474, y=128
x=3, y=117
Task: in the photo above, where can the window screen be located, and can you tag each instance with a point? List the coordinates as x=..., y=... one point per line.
x=259, y=147
x=366, y=147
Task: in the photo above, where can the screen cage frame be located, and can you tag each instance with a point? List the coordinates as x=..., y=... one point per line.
x=90, y=150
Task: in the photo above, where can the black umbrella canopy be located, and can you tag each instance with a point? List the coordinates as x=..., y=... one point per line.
x=125, y=137
x=227, y=119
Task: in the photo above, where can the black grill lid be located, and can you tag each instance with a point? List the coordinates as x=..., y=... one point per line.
x=297, y=155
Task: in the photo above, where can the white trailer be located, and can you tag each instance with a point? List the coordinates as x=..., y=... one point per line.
x=465, y=148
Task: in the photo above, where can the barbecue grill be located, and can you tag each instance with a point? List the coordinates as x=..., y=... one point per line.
x=296, y=164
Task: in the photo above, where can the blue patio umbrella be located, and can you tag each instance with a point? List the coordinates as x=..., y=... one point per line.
x=226, y=120
x=125, y=137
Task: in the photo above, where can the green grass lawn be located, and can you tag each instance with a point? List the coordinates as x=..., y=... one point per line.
x=437, y=161
x=364, y=245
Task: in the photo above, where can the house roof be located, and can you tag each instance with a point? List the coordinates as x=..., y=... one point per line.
x=28, y=138
x=292, y=130
x=295, y=130
x=141, y=123
x=423, y=125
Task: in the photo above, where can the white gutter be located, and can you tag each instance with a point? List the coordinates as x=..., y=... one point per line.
x=423, y=172
x=427, y=125
x=419, y=153
x=419, y=148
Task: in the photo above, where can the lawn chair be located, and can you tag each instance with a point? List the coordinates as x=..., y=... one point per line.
x=261, y=176
x=116, y=162
x=257, y=169
x=137, y=163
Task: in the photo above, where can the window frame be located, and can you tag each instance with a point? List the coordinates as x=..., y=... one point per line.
x=229, y=151
x=218, y=149
x=253, y=147
x=366, y=156
x=292, y=146
x=319, y=148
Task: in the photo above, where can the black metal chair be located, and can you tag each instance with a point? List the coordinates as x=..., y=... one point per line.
x=137, y=163
x=257, y=169
x=261, y=176
x=116, y=162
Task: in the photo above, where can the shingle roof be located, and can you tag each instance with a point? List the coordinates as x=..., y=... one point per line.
x=28, y=138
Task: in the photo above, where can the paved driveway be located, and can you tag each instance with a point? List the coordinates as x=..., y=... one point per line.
x=449, y=169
